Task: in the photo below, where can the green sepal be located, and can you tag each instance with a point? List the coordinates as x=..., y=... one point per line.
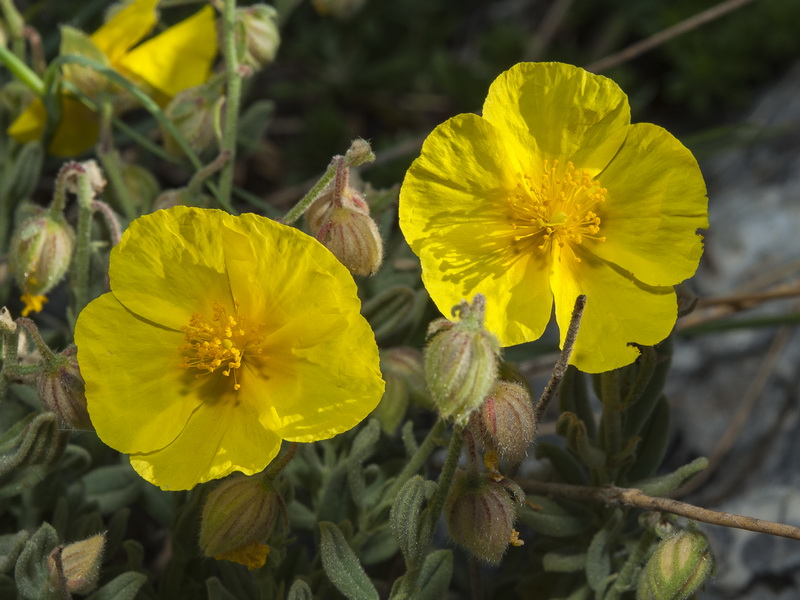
x=122, y=587
x=555, y=562
x=573, y=429
x=653, y=445
x=434, y=576
x=568, y=468
x=300, y=591
x=31, y=572
x=664, y=484
x=405, y=517
x=342, y=565
x=573, y=396
x=557, y=519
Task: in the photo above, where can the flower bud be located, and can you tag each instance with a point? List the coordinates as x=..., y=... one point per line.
x=358, y=153
x=461, y=362
x=193, y=112
x=86, y=79
x=506, y=421
x=39, y=255
x=480, y=516
x=72, y=171
x=318, y=213
x=141, y=185
x=353, y=238
x=80, y=562
x=406, y=363
x=257, y=35
x=63, y=392
x=237, y=517
x=180, y=197
x=677, y=569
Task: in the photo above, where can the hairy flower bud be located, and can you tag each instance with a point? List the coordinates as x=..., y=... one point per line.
x=237, y=517
x=359, y=152
x=39, y=255
x=318, y=213
x=353, y=238
x=506, y=421
x=480, y=516
x=257, y=35
x=677, y=569
x=192, y=111
x=80, y=562
x=63, y=392
x=461, y=362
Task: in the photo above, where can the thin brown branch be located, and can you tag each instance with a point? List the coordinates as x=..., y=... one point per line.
x=563, y=360
x=548, y=28
x=639, y=48
x=637, y=499
x=742, y=301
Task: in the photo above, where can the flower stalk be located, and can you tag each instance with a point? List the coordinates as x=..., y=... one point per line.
x=233, y=93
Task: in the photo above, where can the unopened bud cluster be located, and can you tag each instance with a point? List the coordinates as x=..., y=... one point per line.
x=461, y=362
x=193, y=111
x=679, y=566
x=257, y=36
x=237, y=518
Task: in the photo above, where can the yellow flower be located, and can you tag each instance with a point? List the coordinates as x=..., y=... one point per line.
x=550, y=194
x=176, y=59
x=220, y=337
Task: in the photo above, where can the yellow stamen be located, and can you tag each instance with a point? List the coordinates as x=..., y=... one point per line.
x=33, y=303
x=556, y=210
x=218, y=342
x=514, y=540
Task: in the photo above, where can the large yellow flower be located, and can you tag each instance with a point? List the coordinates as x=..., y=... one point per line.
x=221, y=336
x=550, y=194
x=178, y=58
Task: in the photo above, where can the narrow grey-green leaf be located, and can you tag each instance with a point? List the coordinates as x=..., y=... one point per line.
x=434, y=575
x=300, y=591
x=30, y=572
x=598, y=559
x=10, y=547
x=123, y=587
x=217, y=591
x=404, y=518
x=342, y=565
x=564, y=563
x=659, y=486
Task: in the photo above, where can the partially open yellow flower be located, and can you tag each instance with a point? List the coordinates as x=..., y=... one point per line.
x=178, y=58
x=221, y=336
x=550, y=194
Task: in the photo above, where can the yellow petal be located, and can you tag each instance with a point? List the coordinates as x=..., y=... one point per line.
x=126, y=28
x=252, y=556
x=656, y=202
x=619, y=310
x=454, y=212
x=559, y=111
x=170, y=265
x=138, y=396
x=179, y=58
x=318, y=372
x=29, y=125
x=220, y=437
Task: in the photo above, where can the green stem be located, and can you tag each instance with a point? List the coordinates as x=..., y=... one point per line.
x=446, y=476
x=47, y=354
x=280, y=463
x=315, y=192
x=233, y=97
x=625, y=579
x=612, y=413
x=414, y=464
x=112, y=164
x=83, y=240
x=22, y=71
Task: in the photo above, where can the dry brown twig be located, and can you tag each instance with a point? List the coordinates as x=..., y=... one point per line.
x=637, y=499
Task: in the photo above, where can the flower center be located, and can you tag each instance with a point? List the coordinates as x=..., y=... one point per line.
x=557, y=209
x=216, y=343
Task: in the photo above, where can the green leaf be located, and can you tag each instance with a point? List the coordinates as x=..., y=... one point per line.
x=555, y=562
x=300, y=591
x=31, y=573
x=404, y=517
x=660, y=486
x=653, y=445
x=342, y=565
x=217, y=591
x=123, y=587
x=556, y=519
x=434, y=576
x=112, y=488
x=598, y=559
x=573, y=396
x=10, y=547
x=568, y=468
x=380, y=546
